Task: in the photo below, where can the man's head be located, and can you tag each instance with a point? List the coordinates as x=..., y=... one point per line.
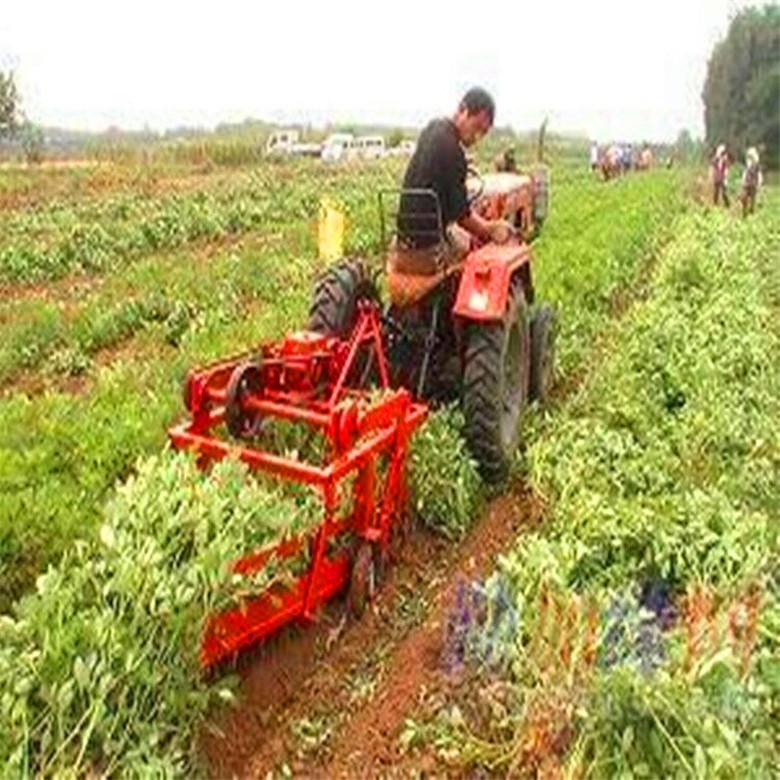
x=474, y=116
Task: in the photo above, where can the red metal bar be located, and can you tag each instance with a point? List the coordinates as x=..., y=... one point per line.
x=379, y=350
x=287, y=412
x=354, y=344
x=274, y=464
x=257, y=618
x=318, y=549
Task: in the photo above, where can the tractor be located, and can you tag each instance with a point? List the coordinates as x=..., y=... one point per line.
x=359, y=380
x=470, y=332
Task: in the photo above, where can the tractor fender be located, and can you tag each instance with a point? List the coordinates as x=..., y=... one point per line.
x=484, y=284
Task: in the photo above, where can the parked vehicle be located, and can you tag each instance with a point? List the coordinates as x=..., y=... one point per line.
x=287, y=142
x=404, y=149
x=281, y=142
x=370, y=147
x=339, y=146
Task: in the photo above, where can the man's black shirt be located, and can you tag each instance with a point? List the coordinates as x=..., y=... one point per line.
x=438, y=163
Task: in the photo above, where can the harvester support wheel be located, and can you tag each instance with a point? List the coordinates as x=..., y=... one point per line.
x=544, y=327
x=362, y=582
x=242, y=422
x=495, y=385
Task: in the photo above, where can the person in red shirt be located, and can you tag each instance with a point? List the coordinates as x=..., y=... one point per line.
x=720, y=172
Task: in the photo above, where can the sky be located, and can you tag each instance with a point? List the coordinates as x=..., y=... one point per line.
x=612, y=69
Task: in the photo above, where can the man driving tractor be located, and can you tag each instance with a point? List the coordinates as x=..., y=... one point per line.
x=439, y=165
x=462, y=322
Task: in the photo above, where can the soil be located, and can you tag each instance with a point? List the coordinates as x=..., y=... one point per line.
x=334, y=707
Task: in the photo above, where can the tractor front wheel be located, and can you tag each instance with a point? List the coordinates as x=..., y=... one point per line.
x=334, y=308
x=495, y=385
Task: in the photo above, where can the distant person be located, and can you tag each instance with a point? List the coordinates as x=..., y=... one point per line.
x=645, y=159
x=752, y=179
x=594, y=156
x=627, y=154
x=506, y=162
x=720, y=172
x=439, y=164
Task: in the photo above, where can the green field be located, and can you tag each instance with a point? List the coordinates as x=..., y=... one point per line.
x=660, y=461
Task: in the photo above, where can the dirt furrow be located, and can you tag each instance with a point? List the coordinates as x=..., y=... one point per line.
x=328, y=707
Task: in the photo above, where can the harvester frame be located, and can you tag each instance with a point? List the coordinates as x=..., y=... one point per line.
x=306, y=379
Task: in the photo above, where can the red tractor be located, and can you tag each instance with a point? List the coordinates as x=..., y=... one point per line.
x=471, y=331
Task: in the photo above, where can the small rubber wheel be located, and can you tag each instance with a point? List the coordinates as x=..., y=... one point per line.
x=362, y=583
x=244, y=381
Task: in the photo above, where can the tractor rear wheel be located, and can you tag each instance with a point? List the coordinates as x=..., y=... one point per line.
x=495, y=385
x=543, y=331
x=334, y=309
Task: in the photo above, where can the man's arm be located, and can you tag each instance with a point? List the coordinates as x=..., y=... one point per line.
x=497, y=230
x=475, y=225
x=454, y=176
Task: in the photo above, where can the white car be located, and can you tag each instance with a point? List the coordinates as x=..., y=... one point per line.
x=404, y=149
x=371, y=147
x=339, y=146
x=282, y=142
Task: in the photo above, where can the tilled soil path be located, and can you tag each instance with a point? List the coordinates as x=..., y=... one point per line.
x=318, y=703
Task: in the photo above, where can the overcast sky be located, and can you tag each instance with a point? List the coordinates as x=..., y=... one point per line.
x=609, y=68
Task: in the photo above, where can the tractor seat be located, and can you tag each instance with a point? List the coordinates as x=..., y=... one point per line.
x=413, y=273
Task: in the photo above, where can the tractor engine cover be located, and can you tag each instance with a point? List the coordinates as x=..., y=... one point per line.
x=504, y=195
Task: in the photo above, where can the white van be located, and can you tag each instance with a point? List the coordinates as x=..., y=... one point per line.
x=371, y=147
x=339, y=146
x=282, y=142
x=404, y=149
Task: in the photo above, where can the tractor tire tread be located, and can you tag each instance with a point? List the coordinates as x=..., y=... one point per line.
x=481, y=381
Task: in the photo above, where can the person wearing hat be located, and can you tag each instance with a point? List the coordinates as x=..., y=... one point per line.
x=506, y=162
x=720, y=172
x=751, y=181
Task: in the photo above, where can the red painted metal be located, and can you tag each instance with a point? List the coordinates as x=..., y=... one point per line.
x=484, y=283
x=306, y=379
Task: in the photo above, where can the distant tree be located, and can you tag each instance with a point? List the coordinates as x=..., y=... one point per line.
x=394, y=137
x=9, y=105
x=742, y=88
x=685, y=147
x=32, y=143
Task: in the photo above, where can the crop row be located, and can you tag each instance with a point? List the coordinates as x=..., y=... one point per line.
x=123, y=608
x=100, y=236
x=641, y=627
